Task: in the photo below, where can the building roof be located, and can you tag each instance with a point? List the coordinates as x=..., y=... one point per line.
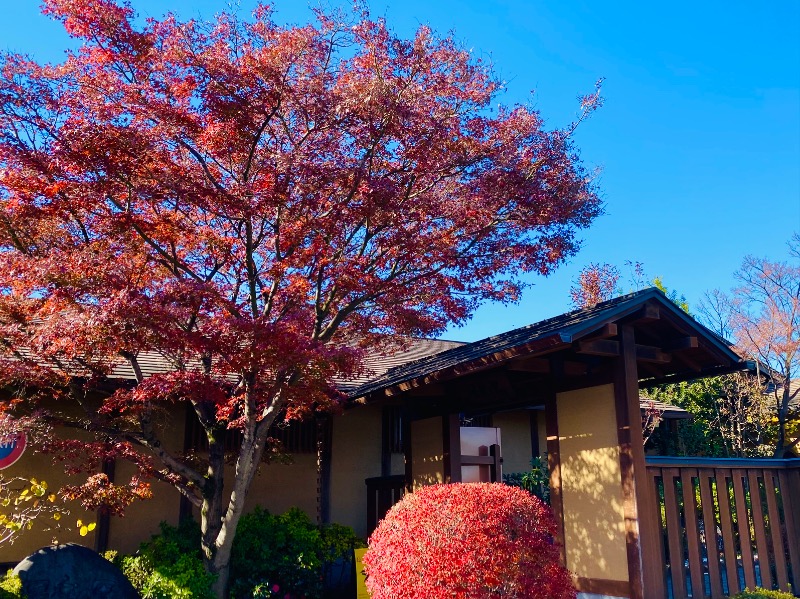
x=541, y=338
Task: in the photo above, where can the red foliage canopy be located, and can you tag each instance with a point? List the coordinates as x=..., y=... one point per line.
x=257, y=204
x=472, y=541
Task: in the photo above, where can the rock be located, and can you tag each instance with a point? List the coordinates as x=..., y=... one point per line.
x=72, y=572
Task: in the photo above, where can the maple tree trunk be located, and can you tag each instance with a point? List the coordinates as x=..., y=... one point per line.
x=218, y=527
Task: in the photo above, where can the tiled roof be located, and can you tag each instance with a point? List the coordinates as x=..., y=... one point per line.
x=538, y=336
x=409, y=350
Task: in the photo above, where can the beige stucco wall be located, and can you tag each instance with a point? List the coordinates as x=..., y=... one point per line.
x=515, y=428
x=594, y=524
x=427, y=459
x=35, y=465
x=356, y=456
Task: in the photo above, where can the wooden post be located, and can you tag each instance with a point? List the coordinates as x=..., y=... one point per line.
x=451, y=447
x=554, y=465
x=641, y=534
x=496, y=467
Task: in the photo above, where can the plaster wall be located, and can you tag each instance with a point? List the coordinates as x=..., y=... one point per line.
x=356, y=456
x=594, y=523
x=40, y=467
x=427, y=454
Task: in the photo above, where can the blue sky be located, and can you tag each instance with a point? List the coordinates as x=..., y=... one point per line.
x=698, y=142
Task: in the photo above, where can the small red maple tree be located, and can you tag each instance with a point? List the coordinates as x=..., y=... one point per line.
x=468, y=540
x=258, y=205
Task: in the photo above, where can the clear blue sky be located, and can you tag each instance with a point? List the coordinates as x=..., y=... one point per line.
x=698, y=143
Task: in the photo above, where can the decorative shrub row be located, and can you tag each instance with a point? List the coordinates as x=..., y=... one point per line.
x=273, y=556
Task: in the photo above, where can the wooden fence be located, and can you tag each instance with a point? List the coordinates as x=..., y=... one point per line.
x=726, y=524
x=382, y=493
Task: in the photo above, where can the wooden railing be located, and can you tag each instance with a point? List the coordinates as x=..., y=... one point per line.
x=726, y=524
x=382, y=493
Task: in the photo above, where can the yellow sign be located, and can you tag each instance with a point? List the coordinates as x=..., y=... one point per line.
x=361, y=578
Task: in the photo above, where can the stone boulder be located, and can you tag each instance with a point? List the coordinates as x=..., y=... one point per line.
x=72, y=572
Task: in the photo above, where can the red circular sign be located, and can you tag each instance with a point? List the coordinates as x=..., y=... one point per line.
x=11, y=449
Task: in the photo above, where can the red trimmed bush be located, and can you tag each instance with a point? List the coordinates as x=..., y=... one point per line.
x=471, y=541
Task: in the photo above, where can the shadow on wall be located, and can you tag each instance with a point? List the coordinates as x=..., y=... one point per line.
x=594, y=521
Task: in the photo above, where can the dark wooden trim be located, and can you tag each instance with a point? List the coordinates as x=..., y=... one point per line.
x=103, y=517
x=599, y=347
x=185, y=506
x=451, y=447
x=599, y=586
x=626, y=390
x=540, y=346
x=496, y=467
x=554, y=465
x=386, y=441
x=692, y=462
x=324, y=464
x=534, y=424
x=407, y=453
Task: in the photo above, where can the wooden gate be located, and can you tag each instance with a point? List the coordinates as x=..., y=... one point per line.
x=726, y=524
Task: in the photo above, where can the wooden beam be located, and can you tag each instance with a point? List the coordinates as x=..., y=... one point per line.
x=535, y=365
x=575, y=368
x=609, y=348
x=427, y=391
x=599, y=347
x=649, y=312
x=648, y=353
x=682, y=343
x=609, y=330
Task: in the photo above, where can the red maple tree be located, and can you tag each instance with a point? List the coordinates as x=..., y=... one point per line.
x=258, y=205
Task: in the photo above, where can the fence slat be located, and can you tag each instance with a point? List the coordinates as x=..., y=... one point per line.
x=778, y=549
x=759, y=530
x=743, y=522
x=726, y=525
x=756, y=501
x=674, y=533
x=692, y=534
x=705, y=479
x=791, y=507
x=660, y=589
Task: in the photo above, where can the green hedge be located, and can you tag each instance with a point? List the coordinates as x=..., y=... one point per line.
x=763, y=594
x=286, y=552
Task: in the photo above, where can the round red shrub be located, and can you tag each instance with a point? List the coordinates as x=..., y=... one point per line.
x=471, y=541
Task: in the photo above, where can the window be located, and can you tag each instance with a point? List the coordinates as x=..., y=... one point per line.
x=295, y=436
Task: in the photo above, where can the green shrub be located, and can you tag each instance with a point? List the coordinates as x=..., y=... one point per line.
x=169, y=565
x=287, y=551
x=763, y=594
x=11, y=587
x=536, y=481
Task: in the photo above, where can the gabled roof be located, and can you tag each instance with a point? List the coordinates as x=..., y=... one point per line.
x=541, y=338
